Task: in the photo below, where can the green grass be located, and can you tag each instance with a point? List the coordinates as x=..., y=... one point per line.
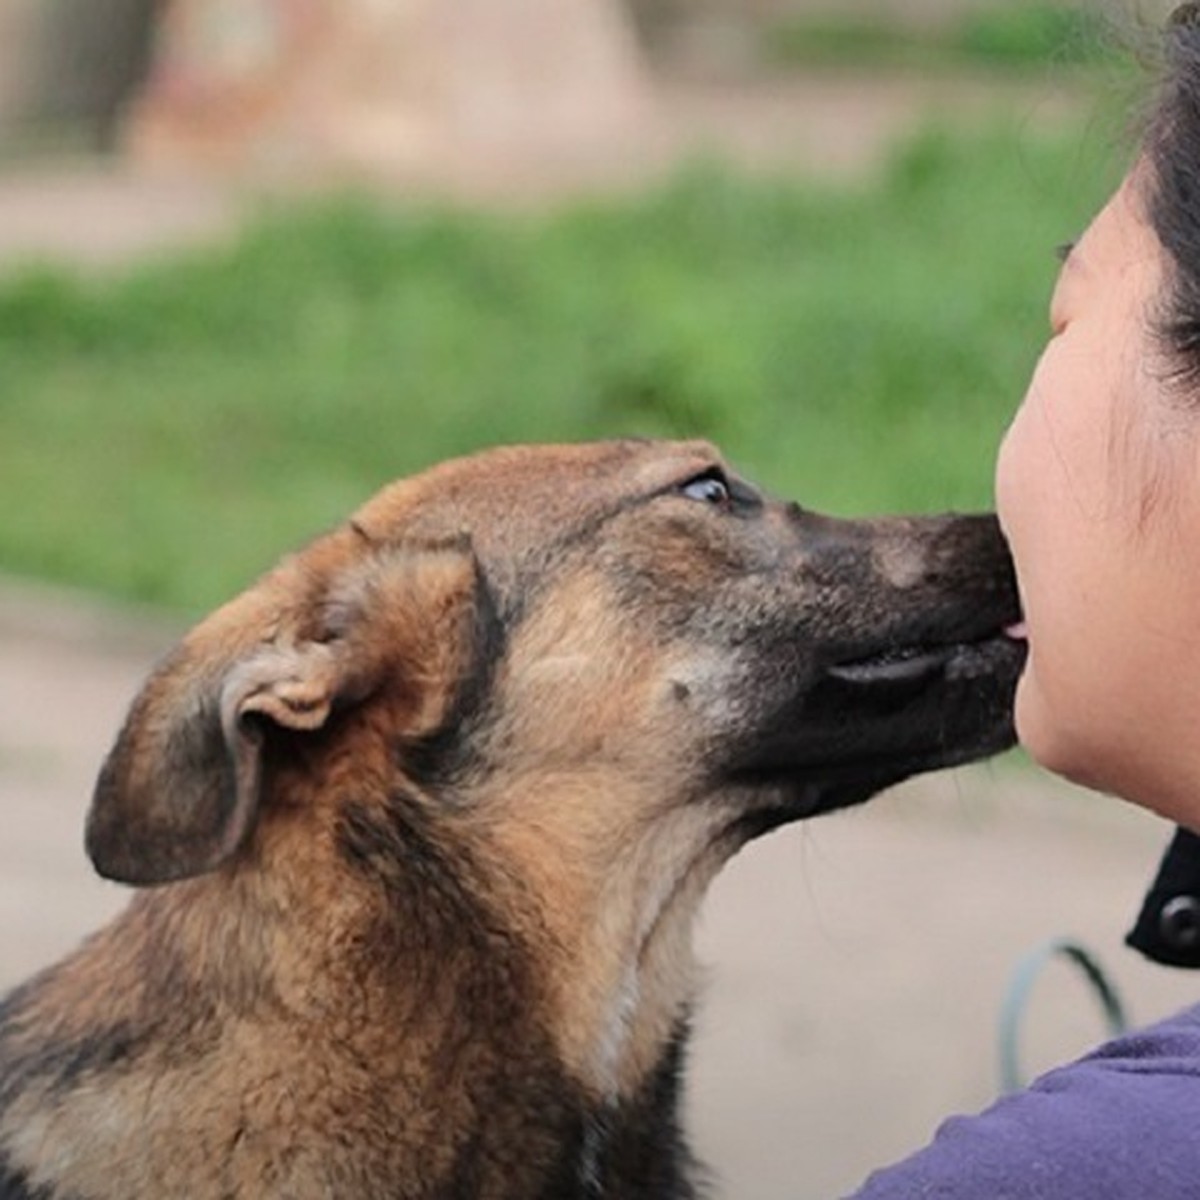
x=1007, y=35
x=166, y=433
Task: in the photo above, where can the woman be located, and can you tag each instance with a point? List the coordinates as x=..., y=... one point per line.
x=1098, y=489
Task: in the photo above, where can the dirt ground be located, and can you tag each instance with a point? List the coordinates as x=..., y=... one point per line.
x=857, y=964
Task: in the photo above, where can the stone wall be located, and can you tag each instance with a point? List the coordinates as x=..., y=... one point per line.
x=71, y=63
x=381, y=85
x=16, y=24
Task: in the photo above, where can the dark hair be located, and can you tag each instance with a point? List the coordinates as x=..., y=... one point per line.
x=1171, y=148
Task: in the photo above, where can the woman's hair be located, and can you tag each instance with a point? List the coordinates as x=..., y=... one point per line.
x=1171, y=149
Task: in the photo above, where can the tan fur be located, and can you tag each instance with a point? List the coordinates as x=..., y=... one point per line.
x=419, y=906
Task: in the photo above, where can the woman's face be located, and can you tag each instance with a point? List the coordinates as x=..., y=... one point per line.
x=1098, y=489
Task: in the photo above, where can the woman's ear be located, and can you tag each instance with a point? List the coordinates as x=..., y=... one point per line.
x=179, y=793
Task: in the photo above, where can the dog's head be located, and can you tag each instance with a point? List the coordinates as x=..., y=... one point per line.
x=625, y=627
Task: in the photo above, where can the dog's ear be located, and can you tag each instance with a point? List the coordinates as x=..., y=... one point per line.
x=179, y=792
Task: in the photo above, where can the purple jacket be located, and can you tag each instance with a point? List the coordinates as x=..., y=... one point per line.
x=1121, y=1124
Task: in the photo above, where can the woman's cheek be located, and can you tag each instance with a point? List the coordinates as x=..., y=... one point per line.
x=1017, y=474
x=1003, y=483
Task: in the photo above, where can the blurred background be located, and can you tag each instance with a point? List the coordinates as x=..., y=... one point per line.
x=258, y=257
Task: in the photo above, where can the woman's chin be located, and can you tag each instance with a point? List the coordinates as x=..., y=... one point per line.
x=1048, y=742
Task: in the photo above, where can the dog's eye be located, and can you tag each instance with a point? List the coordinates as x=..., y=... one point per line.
x=711, y=489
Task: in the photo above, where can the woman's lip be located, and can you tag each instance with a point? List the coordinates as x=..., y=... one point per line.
x=1019, y=632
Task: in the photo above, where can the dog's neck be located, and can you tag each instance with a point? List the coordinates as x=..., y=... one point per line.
x=621, y=977
x=596, y=938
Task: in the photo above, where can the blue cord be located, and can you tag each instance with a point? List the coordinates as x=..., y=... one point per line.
x=1016, y=1001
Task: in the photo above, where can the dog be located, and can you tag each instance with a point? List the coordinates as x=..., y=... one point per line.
x=419, y=824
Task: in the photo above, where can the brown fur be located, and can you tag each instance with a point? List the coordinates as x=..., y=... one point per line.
x=421, y=821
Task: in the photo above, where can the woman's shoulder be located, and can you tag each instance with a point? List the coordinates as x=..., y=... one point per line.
x=1169, y=1047
x=1120, y=1122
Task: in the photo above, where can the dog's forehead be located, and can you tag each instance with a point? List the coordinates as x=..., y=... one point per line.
x=527, y=492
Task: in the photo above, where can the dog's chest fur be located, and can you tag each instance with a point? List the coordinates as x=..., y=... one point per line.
x=421, y=1065
x=504, y=1125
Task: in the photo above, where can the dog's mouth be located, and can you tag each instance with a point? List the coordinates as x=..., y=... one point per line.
x=870, y=721
x=923, y=705
x=914, y=666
